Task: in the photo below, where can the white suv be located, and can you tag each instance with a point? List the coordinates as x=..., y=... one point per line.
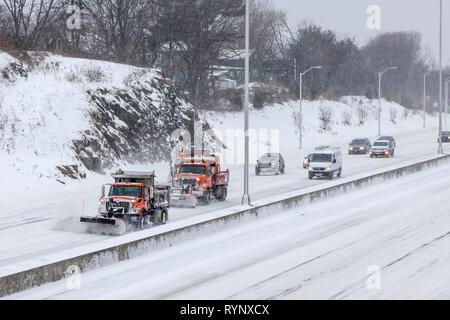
x=325, y=163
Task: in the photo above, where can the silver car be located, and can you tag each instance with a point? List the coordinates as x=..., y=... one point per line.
x=270, y=164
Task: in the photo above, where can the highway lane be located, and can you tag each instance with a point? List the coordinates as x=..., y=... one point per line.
x=324, y=250
x=50, y=224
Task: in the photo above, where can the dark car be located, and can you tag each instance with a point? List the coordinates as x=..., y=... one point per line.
x=270, y=164
x=359, y=146
x=388, y=138
x=445, y=137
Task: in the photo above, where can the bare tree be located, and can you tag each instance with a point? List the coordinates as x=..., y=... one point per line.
x=393, y=114
x=117, y=26
x=325, y=117
x=198, y=32
x=29, y=19
x=346, y=118
x=362, y=115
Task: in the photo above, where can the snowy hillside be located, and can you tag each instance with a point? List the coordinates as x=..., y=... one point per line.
x=351, y=117
x=64, y=116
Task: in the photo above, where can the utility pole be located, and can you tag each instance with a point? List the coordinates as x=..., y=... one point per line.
x=246, y=197
x=440, y=149
x=446, y=100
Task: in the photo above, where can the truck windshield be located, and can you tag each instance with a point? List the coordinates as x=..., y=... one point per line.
x=193, y=169
x=125, y=191
x=321, y=157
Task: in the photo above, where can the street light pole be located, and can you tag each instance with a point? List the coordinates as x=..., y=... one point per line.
x=246, y=196
x=446, y=100
x=301, y=103
x=380, y=74
x=440, y=149
x=425, y=97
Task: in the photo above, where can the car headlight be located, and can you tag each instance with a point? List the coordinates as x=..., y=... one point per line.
x=328, y=169
x=350, y=148
x=362, y=148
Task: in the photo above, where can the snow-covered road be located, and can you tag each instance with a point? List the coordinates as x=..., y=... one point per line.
x=321, y=251
x=36, y=227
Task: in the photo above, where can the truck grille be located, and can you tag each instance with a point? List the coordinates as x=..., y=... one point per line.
x=319, y=169
x=118, y=204
x=186, y=183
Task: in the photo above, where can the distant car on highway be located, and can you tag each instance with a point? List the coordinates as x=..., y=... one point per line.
x=271, y=164
x=325, y=163
x=359, y=146
x=388, y=138
x=382, y=148
x=306, y=161
x=445, y=137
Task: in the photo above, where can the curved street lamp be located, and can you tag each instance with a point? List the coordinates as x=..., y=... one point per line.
x=380, y=74
x=301, y=103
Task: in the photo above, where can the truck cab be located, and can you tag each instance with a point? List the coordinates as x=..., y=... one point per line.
x=199, y=176
x=133, y=198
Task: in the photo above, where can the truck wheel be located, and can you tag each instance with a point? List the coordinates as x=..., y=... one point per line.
x=142, y=221
x=206, y=199
x=310, y=175
x=339, y=172
x=160, y=217
x=257, y=172
x=220, y=193
x=165, y=216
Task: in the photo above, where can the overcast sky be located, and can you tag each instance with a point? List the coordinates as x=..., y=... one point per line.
x=349, y=18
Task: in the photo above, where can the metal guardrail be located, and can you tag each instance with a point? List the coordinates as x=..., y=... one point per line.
x=13, y=281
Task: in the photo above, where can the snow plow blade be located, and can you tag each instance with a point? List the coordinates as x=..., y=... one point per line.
x=111, y=222
x=185, y=201
x=114, y=227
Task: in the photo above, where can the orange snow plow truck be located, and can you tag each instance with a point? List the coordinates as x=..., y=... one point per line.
x=198, y=179
x=132, y=201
